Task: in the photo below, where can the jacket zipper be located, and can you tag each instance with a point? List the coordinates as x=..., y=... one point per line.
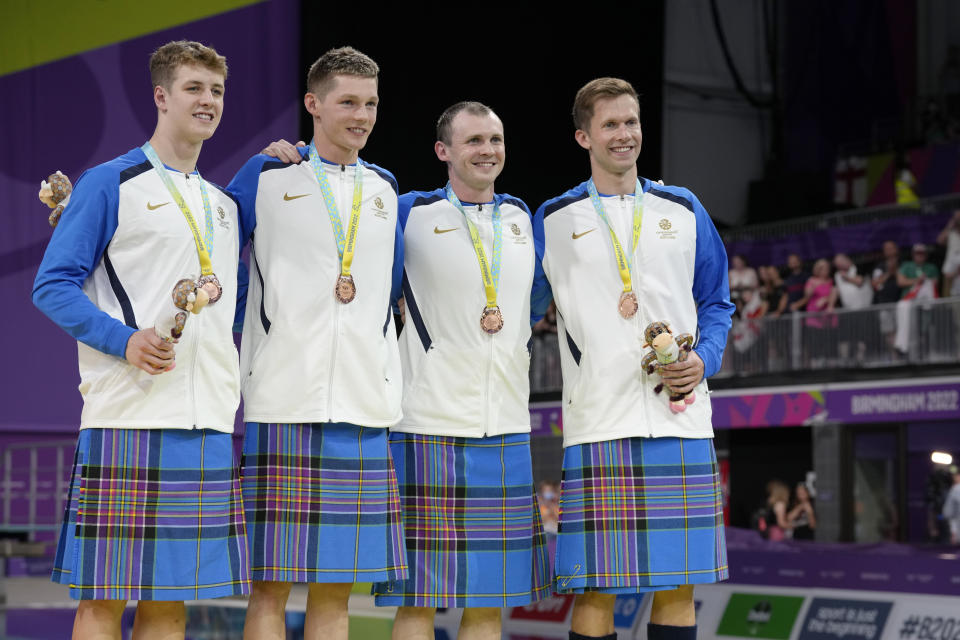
x=336, y=312
x=194, y=335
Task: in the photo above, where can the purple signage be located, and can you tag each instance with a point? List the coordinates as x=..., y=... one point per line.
x=834, y=403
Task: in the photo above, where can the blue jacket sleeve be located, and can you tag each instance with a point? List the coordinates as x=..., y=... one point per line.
x=404, y=204
x=76, y=248
x=243, y=189
x=541, y=294
x=711, y=291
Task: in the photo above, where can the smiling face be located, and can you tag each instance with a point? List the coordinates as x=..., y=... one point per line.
x=192, y=106
x=613, y=136
x=474, y=155
x=344, y=117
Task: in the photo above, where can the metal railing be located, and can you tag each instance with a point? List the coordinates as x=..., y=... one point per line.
x=883, y=335
x=36, y=477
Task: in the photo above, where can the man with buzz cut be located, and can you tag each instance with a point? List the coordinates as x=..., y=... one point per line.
x=154, y=512
x=319, y=361
x=640, y=505
x=473, y=286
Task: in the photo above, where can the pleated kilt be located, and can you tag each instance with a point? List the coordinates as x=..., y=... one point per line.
x=153, y=514
x=474, y=536
x=640, y=514
x=321, y=503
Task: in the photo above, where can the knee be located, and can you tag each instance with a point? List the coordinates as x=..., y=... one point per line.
x=105, y=610
x=330, y=593
x=481, y=615
x=594, y=600
x=270, y=594
x=169, y=612
x=674, y=607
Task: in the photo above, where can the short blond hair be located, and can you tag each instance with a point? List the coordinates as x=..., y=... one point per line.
x=344, y=61
x=594, y=90
x=165, y=61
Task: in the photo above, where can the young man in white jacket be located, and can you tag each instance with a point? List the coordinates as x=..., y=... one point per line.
x=473, y=286
x=157, y=415
x=319, y=360
x=640, y=499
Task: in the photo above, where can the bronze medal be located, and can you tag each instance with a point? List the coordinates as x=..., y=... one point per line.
x=212, y=286
x=345, y=290
x=492, y=320
x=628, y=304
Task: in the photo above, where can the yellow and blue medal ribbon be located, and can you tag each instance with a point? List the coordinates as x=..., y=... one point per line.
x=346, y=243
x=204, y=243
x=489, y=271
x=623, y=261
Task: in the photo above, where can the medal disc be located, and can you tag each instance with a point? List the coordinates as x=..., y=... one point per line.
x=345, y=290
x=628, y=304
x=492, y=320
x=212, y=286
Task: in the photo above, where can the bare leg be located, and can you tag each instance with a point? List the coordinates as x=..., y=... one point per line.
x=479, y=623
x=413, y=623
x=265, y=613
x=593, y=614
x=674, y=608
x=98, y=620
x=327, y=617
x=159, y=621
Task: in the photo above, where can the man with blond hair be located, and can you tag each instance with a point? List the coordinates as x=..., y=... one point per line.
x=154, y=511
x=640, y=505
x=320, y=363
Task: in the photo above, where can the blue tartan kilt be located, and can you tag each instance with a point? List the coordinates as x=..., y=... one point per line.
x=474, y=536
x=322, y=504
x=640, y=514
x=153, y=514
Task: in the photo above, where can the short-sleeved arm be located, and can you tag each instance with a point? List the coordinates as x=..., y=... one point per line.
x=711, y=291
x=540, y=294
x=76, y=248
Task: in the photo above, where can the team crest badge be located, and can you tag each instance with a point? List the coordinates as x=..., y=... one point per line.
x=665, y=224
x=666, y=232
x=223, y=218
x=515, y=229
x=379, y=202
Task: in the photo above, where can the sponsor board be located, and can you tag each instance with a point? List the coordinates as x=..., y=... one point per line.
x=759, y=615
x=836, y=619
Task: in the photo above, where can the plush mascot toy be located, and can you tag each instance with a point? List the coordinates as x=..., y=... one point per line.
x=189, y=296
x=55, y=193
x=665, y=349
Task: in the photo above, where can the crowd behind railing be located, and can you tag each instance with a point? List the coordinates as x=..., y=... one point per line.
x=900, y=309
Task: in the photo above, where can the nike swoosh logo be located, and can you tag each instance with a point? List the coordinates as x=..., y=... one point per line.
x=153, y=207
x=577, y=236
x=288, y=197
x=439, y=230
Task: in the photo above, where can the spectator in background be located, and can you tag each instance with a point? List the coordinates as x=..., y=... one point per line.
x=854, y=292
x=951, y=508
x=917, y=280
x=772, y=291
x=775, y=525
x=795, y=282
x=818, y=297
x=742, y=277
x=801, y=518
x=950, y=238
x=885, y=287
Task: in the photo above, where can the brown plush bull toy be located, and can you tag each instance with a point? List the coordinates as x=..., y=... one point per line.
x=666, y=349
x=188, y=296
x=55, y=193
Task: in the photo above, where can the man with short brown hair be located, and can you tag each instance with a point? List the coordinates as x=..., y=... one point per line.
x=320, y=361
x=640, y=506
x=157, y=415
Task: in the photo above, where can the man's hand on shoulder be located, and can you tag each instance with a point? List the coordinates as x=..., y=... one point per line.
x=684, y=376
x=284, y=151
x=147, y=351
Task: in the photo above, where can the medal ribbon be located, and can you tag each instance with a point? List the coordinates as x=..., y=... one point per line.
x=490, y=272
x=205, y=243
x=345, y=245
x=623, y=264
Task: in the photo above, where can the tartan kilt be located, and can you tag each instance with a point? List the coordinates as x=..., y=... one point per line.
x=321, y=503
x=640, y=514
x=153, y=514
x=474, y=536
